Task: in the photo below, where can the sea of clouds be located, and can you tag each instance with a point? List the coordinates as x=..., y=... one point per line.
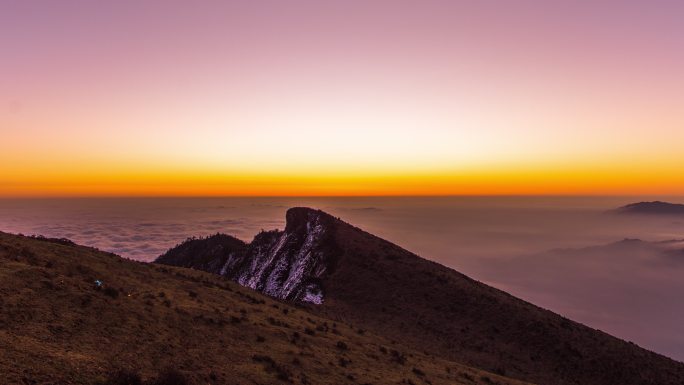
x=566, y=254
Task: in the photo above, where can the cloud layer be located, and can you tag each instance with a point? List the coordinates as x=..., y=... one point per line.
x=534, y=248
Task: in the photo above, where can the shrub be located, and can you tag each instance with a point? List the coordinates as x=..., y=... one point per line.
x=123, y=377
x=282, y=373
x=343, y=362
x=263, y=359
x=170, y=376
x=276, y=322
x=398, y=357
x=418, y=372
x=111, y=292
x=86, y=301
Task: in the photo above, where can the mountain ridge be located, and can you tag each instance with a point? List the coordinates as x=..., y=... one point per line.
x=398, y=294
x=652, y=208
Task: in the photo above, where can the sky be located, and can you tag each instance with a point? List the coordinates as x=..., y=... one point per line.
x=374, y=97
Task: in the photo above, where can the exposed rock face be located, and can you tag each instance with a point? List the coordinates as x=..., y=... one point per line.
x=285, y=264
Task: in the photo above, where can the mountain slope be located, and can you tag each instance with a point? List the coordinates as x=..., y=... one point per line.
x=364, y=279
x=57, y=327
x=620, y=286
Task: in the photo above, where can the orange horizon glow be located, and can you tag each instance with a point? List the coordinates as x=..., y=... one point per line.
x=632, y=181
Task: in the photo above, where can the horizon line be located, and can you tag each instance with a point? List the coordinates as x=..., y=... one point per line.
x=349, y=196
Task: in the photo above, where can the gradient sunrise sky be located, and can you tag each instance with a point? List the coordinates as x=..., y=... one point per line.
x=341, y=97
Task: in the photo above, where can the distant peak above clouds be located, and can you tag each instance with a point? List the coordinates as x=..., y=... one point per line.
x=655, y=207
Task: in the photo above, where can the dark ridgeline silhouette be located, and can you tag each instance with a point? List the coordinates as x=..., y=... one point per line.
x=360, y=278
x=655, y=207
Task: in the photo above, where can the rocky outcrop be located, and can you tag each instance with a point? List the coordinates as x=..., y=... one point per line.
x=285, y=264
x=208, y=254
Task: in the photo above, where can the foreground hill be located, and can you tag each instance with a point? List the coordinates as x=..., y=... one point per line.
x=58, y=327
x=359, y=278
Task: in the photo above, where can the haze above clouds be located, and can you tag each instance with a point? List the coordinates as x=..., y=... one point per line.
x=537, y=248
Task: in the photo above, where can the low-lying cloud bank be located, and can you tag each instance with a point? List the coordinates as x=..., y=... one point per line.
x=534, y=248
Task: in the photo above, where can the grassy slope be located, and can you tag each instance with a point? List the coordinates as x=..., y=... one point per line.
x=56, y=328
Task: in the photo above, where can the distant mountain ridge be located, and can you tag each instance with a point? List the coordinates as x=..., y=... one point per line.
x=654, y=207
x=356, y=277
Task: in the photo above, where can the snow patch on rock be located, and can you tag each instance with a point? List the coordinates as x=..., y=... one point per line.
x=285, y=265
x=313, y=295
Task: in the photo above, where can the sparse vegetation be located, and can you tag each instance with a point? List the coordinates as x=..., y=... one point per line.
x=111, y=292
x=398, y=357
x=282, y=373
x=123, y=377
x=168, y=376
x=69, y=332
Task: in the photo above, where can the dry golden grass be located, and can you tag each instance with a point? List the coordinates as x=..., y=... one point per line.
x=57, y=328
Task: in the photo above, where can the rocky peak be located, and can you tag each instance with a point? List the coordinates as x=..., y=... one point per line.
x=285, y=264
x=299, y=218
